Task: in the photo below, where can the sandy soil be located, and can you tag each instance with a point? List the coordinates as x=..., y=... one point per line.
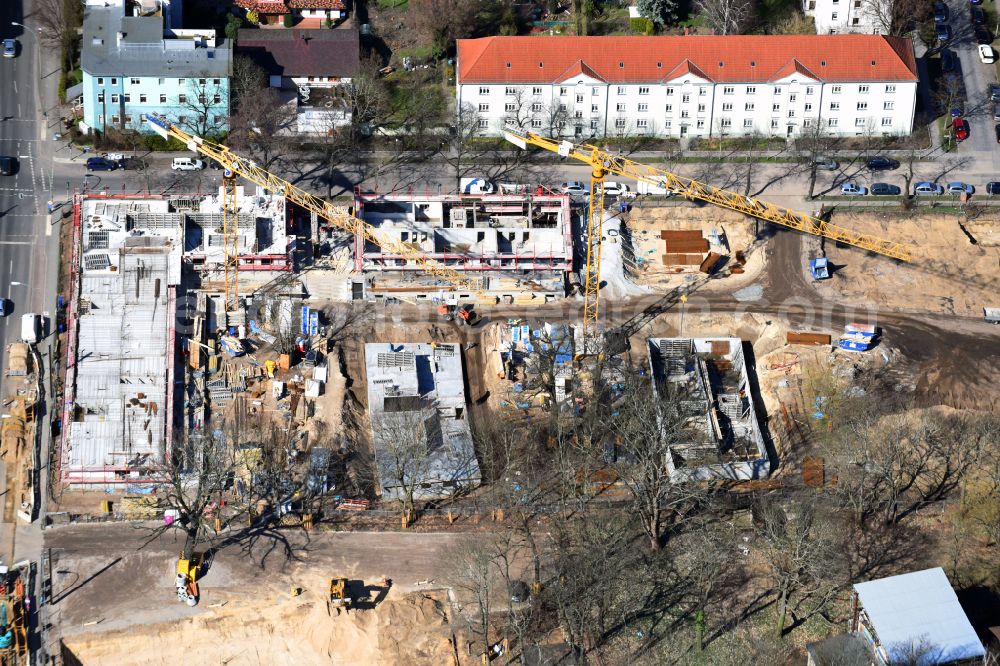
x=948, y=273
x=646, y=222
x=403, y=629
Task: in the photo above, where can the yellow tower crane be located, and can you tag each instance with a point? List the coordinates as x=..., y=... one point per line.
x=339, y=216
x=603, y=162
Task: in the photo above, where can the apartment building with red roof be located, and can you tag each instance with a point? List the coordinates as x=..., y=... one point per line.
x=775, y=85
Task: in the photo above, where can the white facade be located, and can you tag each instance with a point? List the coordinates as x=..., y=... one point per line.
x=842, y=16
x=692, y=106
x=869, y=90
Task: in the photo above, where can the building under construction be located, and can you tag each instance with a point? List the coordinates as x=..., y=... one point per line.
x=419, y=417
x=517, y=248
x=709, y=375
x=143, y=266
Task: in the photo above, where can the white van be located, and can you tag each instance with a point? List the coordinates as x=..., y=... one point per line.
x=187, y=164
x=31, y=327
x=476, y=186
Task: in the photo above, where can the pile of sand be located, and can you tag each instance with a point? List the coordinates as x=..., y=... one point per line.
x=401, y=630
x=948, y=273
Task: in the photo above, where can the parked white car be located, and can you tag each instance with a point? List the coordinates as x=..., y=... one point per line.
x=613, y=189
x=187, y=164
x=986, y=54
x=853, y=189
x=476, y=186
x=574, y=187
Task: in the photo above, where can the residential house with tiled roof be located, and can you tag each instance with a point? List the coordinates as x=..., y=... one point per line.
x=273, y=12
x=689, y=86
x=313, y=68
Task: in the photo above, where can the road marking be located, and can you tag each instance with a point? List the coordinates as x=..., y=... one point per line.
x=15, y=86
x=48, y=225
x=24, y=157
x=15, y=243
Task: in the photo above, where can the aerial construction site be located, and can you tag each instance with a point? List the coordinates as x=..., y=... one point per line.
x=432, y=429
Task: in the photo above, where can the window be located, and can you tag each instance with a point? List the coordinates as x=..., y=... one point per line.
x=702, y=91
x=775, y=107
x=643, y=90
x=862, y=106
x=643, y=108
x=536, y=107
x=891, y=88
x=667, y=124
x=619, y=122
x=562, y=107
x=217, y=99
x=888, y=106
x=100, y=98
x=484, y=108
x=127, y=98
x=728, y=90
x=774, y=124
x=100, y=80
x=562, y=92
x=748, y=106
x=536, y=123
x=685, y=99
x=180, y=82
x=809, y=90
x=886, y=122
x=855, y=21
x=791, y=113
x=579, y=99
x=832, y=122
x=619, y=107
x=161, y=82
x=685, y=114
x=201, y=98
x=748, y=122
x=593, y=124
x=835, y=106
x=807, y=122
x=701, y=108
x=669, y=108
x=751, y=90
x=114, y=99
x=859, y=122
x=510, y=122
x=536, y=90
x=835, y=90
x=726, y=122
x=792, y=98
x=595, y=91
x=163, y=99
x=509, y=107
x=777, y=91
x=202, y=82
x=483, y=123
x=621, y=90
x=182, y=99
x=670, y=91
x=642, y=123
x=142, y=99
x=833, y=17
x=578, y=114
x=728, y=106
x=115, y=119
x=483, y=90
x=128, y=118
x=216, y=82
x=510, y=91
x=100, y=118
x=862, y=89
x=114, y=81
x=134, y=81
x=593, y=108
x=808, y=107
x=700, y=124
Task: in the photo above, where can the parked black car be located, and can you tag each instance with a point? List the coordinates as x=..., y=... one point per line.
x=940, y=12
x=994, y=92
x=983, y=36
x=884, y=189
x=993, y=187
x=8, y=165
x=977, y=15
x=882, y=164
x=949, y=61
x=997, y=130
x=101, y=164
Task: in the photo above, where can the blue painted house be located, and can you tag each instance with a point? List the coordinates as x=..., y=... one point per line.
x=137, y=60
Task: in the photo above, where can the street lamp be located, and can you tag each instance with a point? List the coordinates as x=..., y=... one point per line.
x=38, y=65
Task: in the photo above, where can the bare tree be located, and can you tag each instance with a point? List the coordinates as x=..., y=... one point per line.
x=403, y=447
x=894, y=17
x=726, y=17
x=263, y=126
x=804, y=556
x=440, y=22
x=204, y=105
